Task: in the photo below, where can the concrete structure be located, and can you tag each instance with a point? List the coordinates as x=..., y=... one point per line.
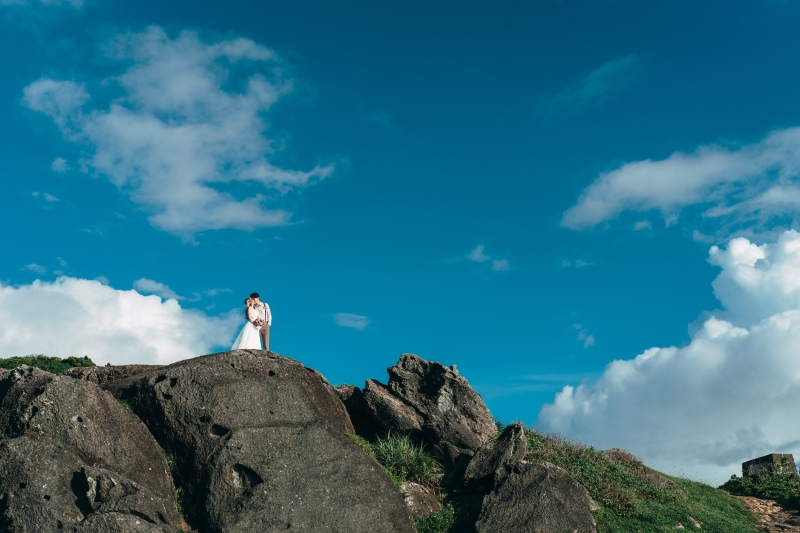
x=784, y=462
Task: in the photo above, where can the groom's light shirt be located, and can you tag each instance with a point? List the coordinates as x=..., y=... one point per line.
x=261, y=311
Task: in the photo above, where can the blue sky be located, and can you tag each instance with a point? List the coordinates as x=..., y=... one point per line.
x=529, y=190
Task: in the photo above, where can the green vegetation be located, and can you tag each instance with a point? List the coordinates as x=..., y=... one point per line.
x=54, y=365
x=407, y=461
x=440, y=522
x=769, y=484
x=633, y=497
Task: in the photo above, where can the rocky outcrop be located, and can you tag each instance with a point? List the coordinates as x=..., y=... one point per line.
x=492, y=459
x=71, y=457
x=432, y=403
x=536, y=497
x=260, y=444
x=106, y=374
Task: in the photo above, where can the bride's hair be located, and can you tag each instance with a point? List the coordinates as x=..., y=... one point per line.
x=247, y=302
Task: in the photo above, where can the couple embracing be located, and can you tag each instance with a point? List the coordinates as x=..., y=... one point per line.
x=256, y=330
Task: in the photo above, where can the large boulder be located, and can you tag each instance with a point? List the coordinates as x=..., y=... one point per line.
x=536, y=497
x=71, y=457
x=261, y=443
x=432, y=402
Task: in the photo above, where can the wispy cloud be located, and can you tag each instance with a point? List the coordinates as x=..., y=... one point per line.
x=186, y=137
x=737, y=188
x=350, y=320
x=479, y=255
x=594, y=89
x=33, y=267
x=567, y=262
x=584, y=336
x=47, y=197
x=642, y=225
x=149, y=286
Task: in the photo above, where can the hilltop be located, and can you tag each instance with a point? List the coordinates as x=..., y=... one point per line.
x=253, y=441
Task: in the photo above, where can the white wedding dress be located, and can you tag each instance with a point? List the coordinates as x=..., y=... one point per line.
x=249, y=338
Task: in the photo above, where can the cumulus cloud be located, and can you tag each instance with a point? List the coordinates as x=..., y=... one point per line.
x=729, y=395
x=750, y=185
x=149, y=286
x=74, y=317
x=595, y=88
x=186, y=137
x=349, y=320
x=479, y=255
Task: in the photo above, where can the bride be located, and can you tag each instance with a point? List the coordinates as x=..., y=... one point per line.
x=249, y=337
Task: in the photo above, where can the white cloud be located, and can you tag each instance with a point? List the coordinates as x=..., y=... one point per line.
x=600, y=84
x=59, y=165
x=479, y=255
x=149, y=286
x=75, y=317
x=584, y=336
x=349, y=320
x=49, y=198
x=186, y=137
x=642, y=225
x=746, y=185
x=726, y=397
x=575, y=263
x=33, y=267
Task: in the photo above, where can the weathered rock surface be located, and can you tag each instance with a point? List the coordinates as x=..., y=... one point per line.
x=106, y=374
x=506, y=450
x=432, y=402
x=420, y=500
x=259, y=443
x=537, y=497
x=72, y=458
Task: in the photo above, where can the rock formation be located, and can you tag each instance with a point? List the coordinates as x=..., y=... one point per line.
x=260, y=444
x=428, y=400
x=72, y=456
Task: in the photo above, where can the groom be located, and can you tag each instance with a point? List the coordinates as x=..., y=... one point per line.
x=260, y=315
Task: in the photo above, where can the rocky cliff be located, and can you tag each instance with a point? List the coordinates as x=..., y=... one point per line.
x=248, y=441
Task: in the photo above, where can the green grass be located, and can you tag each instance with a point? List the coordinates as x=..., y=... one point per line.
x=54, y=365
x=407, y=461
x=440, y=522
x=635, y=498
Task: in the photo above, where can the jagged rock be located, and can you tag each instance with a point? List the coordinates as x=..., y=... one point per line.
x=508, y=449
x=106, y=374
x=432, y=402
x=536, y=497
x=259, y=443
x=353, y=400
x=420, y=500
x=55, y=434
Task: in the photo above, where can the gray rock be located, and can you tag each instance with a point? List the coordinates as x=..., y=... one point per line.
x=260, y=444
x=537, y=497
x=506, y=450
x=106, y=374
x=56, y=436
x=420, y=500
x=433, y=401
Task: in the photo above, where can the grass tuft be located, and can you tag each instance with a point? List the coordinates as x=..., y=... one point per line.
x=407, y=461
x=440, y=522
